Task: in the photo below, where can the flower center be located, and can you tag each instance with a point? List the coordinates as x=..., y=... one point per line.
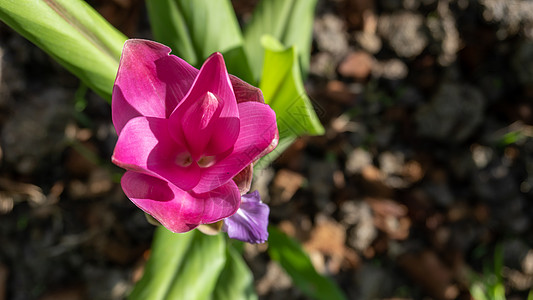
x=206, y=161
x=185, y=159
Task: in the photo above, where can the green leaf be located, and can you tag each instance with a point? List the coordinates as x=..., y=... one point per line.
x=193, y=266
x=477, y=292
x=196, y=29
x=235, y=281
x=237, y=64
x=297, y=264
x=168, y=252
x=289, y=21
x=283, y=90
x=73, y=33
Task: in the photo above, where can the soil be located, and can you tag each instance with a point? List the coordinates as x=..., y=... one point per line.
x=421, y=185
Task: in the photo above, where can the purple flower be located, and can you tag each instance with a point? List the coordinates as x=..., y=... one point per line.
x=250, y=222
x=187, y=137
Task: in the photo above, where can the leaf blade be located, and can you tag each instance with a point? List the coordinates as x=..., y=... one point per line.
x=196, y=278
x=236, y=280
x=288, y=253
x=289, y=21
x=73, y=33
x=283, y=90
x=182, y=266
x=196, y=29
x=167, y=256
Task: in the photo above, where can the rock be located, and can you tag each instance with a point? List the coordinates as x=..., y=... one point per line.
x=390, y=5
x=261, y=182
x=404, y=32
x=373, y=282
x=512, y=16
x=515, y=252
x=493, y=184
x=522, y=63
x=35, y=132
x=274, y=280
x=367, y=38
x=4, y=272
x=518, y=280
x=410, y=97
x=438, y=188
x=321, y=183
x=390, y=217
x=359, y=215
x=285, y=185
x=392, y=69
x=357, y=12
x=497, y=187
x=441, y=193
x=462, y=165
x=105, y=283
x=369, y=41
x=357, y=160
x=427, y=269
x=328, y=238
x=481, y=155
x=3, y=92
x=359, y=135
x=413, y=171
x=342, y=124
x=453, y=114
x=527, y=263
x=357, y=65
x=444, y=34
x=391, y=162
x=323, y=64
x=338, y=91
x=330, y=35
x=411, y=4
x=392, y=166
x=65, y=293
x=384, y=134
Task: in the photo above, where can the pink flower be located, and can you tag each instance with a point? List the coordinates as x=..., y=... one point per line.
x=186, y=137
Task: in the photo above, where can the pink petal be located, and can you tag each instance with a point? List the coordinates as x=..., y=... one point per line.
x=213, y=78
x=244, y=91
x=198, y=122
x=149, y=82
x=270, y=147
x=244, y=179
x=177, y=210
x=145, y=145
x=257, y=132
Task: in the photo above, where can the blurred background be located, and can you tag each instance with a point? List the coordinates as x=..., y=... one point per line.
x=421, y=188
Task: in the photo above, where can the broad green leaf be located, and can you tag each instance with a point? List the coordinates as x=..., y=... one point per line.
x=238, y=65
x=201, y=268
x=235, y=281
x=167, y=256
x=289, y=21
x=73, y=33
x=181, y=266
x=477, y=292
x=196, y=29
x=193, y=266
x=283, y=90
x=297, y=264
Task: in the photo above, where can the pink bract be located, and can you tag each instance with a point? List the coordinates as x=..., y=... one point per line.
x=185, y=134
